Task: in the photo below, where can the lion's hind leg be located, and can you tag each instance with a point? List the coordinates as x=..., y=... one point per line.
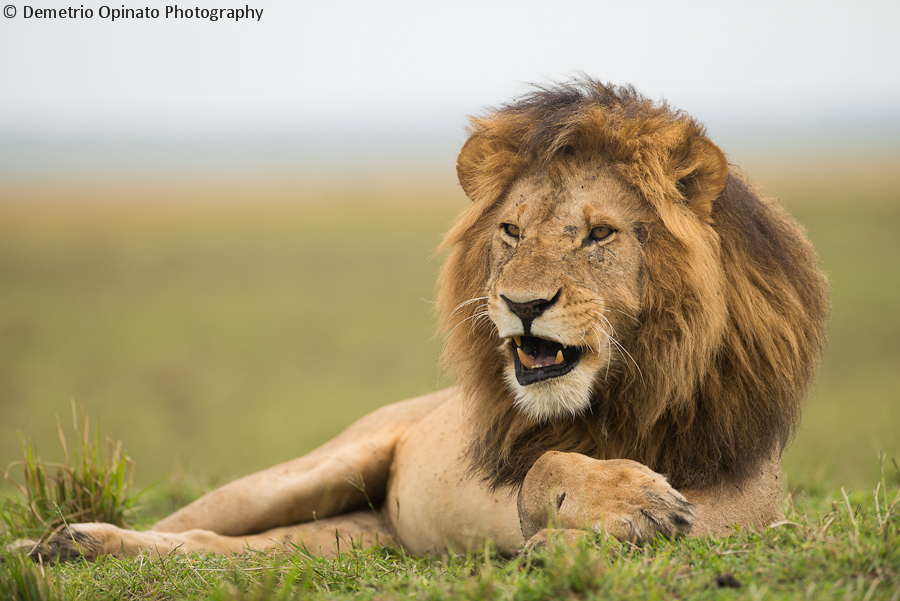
x=320, y=538
x=303, y=501
x=330, y=536
x=345, y=474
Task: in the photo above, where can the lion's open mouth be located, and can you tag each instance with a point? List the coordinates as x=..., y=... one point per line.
x=537, y=359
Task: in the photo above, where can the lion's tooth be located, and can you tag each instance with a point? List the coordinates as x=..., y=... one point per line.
x=518, y=340
x=565, y=346
x=559, y=357
x=527, y=362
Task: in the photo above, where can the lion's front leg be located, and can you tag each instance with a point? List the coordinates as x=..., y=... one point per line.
x=622, y=497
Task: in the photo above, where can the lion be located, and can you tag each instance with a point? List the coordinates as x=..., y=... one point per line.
x=632, y=327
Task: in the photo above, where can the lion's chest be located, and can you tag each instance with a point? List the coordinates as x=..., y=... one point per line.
x=430, y=500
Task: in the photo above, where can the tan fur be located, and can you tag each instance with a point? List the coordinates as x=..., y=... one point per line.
x=608, y=226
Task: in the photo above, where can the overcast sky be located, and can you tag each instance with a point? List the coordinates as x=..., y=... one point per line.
x=365, y=68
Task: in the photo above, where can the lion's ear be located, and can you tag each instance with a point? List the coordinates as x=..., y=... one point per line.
x=485, y=166
x=701, y=173
x=469, y=161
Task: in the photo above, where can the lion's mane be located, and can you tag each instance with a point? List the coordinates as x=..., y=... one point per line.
x=733, y=312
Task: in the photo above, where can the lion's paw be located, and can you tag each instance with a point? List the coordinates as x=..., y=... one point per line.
x=77, y=540
x=625, y=498
x=655, y=509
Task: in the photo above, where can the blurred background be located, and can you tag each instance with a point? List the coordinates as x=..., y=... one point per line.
x=218, y=236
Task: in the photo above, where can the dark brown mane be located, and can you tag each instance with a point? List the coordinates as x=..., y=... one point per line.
x=733, y=316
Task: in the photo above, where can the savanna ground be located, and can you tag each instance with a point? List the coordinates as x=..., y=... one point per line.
x=217, y=329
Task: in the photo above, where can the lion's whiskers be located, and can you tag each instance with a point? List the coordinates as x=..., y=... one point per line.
x=467, y=302
x=622, y=348
x=611, y=338
x=480, y=316
x=612, y=330
x=584, y=338
x=629, y=315
x=597, y=328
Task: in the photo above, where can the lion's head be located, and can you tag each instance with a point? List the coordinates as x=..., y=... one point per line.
x=615, y=289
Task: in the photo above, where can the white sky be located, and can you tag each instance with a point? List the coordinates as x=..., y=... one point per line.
x=370, y=65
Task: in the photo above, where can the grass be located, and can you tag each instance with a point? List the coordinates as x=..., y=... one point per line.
x=89, y=486
x=846, y=547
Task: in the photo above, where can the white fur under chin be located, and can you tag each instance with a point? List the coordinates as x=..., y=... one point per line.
x=565, y=396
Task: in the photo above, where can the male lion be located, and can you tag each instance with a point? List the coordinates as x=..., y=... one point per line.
x=632, y=325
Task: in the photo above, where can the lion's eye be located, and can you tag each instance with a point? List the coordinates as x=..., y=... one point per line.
x=601, y=233
x=511, y=230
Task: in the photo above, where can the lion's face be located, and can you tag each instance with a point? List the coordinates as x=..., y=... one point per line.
x=565, y=285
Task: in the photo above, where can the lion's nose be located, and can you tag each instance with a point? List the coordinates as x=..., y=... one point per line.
x=531, y=310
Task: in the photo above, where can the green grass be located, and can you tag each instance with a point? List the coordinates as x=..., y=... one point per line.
x=88, y=486
x=842, y=548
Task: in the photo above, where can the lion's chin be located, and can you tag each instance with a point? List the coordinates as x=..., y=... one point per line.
x=564, y=396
